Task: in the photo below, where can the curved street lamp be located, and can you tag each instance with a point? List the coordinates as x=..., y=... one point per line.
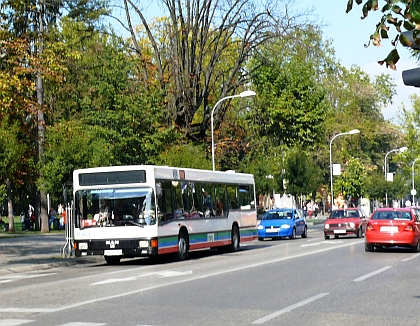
x=401, y=150
x=243, y=94
x=351, y=132
x=413, y=191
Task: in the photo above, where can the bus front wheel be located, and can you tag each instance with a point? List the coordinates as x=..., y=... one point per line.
x=235, y=239
x=182, y=246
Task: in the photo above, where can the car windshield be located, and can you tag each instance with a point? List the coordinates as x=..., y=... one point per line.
x=344, y=214
x=388, y=215
x=278, y=215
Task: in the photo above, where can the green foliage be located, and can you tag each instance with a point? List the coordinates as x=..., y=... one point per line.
x=351, y=183
x=291, y=103
x=301, y=173
x=397, y=16
x=185, y=155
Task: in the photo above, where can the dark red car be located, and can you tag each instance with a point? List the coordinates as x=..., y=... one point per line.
x=391, y=227
x=344, y=222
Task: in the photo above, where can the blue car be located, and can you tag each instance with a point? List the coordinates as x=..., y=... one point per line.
x=281, y=223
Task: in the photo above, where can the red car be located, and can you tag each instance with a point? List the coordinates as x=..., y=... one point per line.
x=391, y=227
x=344, y=222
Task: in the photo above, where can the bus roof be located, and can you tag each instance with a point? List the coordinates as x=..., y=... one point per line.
x=176, y=173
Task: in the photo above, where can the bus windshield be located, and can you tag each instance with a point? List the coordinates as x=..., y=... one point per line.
x=115, y=207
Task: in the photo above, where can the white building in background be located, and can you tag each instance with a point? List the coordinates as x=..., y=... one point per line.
x=284, y=201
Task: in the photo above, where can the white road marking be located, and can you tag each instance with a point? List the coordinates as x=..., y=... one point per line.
x=173, y=273
x=115, y=280
x=15, y=277
x=412, y=257
x=124, y=294
x=82, y=324
x=162, y=274
x=364, y=277
x=289, y=308
x=14, y=322
x=322, y=242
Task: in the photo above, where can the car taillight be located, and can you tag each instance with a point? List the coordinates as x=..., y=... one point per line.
x=370, y=228
x=409, y=228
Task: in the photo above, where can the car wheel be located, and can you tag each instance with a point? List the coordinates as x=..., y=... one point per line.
x=359, y=233
x=293, y=234
x=326, y=237
x=305, y=233
x=336, y=236
x=260, y=239
x=369, y=247
x=416, y=248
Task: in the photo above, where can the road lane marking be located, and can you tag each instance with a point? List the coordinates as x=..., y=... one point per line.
x=82, y=324
x=412, y=257
x=15, y=277
x=322, y=242
x=14, y=322
x=162, y=274
x=157, y=286
x=289, y=308
x=364, y=277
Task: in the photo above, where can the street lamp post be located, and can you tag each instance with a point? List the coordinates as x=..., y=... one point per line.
x=402, y=149
x=413, y=191
x=243, y=94
x=351, y=132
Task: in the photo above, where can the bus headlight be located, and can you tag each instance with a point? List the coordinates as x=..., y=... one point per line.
x=83, y=245
x=144, y=244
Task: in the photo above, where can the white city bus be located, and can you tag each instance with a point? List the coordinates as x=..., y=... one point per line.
x=144, y=210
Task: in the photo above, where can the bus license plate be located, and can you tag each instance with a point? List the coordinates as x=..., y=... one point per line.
x=116, y=252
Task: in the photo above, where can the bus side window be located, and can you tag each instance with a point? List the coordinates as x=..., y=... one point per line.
x=207, y=199
x=221, y=207
x=177, y=202
x=164, y=202
x=244, y=197
x=232, y=197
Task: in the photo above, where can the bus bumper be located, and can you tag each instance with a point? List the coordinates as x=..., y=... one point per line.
x=124, y=248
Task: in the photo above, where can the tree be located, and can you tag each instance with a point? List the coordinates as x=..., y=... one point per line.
x=204, y=54
x=395, y=14
x=351, y=183
x=291, y=106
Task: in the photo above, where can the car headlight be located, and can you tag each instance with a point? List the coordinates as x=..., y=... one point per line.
x=327, y=226
x=352, y=225
x=260, y=227
x=285, y=226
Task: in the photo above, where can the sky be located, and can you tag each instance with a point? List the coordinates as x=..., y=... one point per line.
x=349, y=33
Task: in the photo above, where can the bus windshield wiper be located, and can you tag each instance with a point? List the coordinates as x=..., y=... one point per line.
x=134, y=223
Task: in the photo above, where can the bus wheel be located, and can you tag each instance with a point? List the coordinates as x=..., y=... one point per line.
x=182, y=246
x=235, y=239
x=112, y=260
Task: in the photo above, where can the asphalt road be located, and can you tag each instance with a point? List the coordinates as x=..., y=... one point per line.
x=284, y=282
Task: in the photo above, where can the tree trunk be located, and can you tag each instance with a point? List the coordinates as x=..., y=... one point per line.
x=41, y=212
x=10, y=205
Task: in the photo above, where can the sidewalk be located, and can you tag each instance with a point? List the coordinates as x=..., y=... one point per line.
x=33, y=251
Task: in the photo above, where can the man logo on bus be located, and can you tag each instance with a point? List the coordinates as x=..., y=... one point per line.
x=112, y=243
